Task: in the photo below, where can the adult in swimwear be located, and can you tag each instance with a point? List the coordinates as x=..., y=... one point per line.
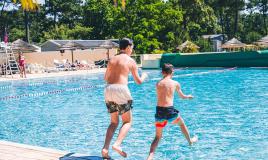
x=165, y=112
x=117, y=95
x=22, y=65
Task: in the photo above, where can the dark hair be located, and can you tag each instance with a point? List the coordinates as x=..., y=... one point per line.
x=167, y=68
x=124, y=43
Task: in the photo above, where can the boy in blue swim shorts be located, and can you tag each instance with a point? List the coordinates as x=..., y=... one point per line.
x=165, y=112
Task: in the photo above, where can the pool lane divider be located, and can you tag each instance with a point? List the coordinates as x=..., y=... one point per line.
x=45, y=83
x=208, y=72
x=6, y=98
x=193, y=74
x=100, y=86
x=55, y=82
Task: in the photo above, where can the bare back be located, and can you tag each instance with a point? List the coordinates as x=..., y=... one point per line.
x=118, y=69
x=165, y=92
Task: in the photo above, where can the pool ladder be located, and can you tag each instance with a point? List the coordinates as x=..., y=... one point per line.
x=9, y=65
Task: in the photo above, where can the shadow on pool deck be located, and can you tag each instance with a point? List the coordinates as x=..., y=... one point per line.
x=70, y=157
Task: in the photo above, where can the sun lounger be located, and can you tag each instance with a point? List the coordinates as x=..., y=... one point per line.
x=58, y=65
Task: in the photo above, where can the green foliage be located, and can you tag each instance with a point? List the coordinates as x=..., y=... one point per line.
x=205, y=45
x=57, y=33
x=158, y=51
x=154, y=25
x=189, y=48
x=252, y=37
x=79, y=32
x=15, y=34
x=63, y=32
x=198, y=18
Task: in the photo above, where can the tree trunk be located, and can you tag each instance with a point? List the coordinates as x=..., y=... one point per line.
x=1, y=17
x=184, y=22
x=228, y=27
x=221, y=21
x=2, y=10
x=236, y=17
x=27, y=28
x=264, y=10
x=54, y=17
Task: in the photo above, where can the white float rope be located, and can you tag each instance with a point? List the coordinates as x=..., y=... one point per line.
x=44, y=83
x=50, y=92
x=54, y=82
x=100, y=86
x=192, y=74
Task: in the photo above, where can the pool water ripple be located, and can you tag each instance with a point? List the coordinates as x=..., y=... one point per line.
x=229, y=114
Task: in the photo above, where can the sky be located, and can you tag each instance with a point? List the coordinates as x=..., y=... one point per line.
x=40, y=1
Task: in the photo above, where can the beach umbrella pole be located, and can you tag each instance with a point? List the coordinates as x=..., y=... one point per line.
x=72, y=56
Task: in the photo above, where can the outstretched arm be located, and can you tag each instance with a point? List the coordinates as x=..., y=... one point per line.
x=181, y=94
x=135, y=73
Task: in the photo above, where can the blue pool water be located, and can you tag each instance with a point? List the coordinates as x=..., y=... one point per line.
x=229, y=114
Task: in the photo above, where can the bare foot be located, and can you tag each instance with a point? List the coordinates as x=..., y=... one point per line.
x=119, y=150
x=105, y=154
x=150, y=157
x=194, y=140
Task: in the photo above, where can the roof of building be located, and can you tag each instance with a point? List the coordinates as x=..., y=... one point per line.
x=84, y=43
x=212, y=36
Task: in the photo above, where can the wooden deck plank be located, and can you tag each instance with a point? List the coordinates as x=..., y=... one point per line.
x=16, y=151
x=27, y=152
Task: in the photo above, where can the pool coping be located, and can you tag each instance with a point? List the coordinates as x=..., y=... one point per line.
x=11, y=150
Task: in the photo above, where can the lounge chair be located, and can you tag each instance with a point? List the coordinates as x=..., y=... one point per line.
x=58, y=65
x=100, y=64
x=84, y=64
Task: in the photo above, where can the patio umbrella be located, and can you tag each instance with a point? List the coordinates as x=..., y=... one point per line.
x=20, y=45
x=71, y=45
x=263, y=42
x=186, y=45
x=108, y=44
x=233, y=43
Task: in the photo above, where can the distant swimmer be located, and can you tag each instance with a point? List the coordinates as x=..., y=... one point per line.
x=165, y=112
x=117, y=95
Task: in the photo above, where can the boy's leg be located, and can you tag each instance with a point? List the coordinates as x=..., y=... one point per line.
x=158, y=135
x=127, y=120
x=185, y=131
x=109, y=134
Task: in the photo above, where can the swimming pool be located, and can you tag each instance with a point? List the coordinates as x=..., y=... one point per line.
x=229, y=114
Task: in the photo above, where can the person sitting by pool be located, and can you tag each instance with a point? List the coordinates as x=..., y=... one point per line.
x=165, y=112
x=76, y=64
x=22, y=65
x=117, y=95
